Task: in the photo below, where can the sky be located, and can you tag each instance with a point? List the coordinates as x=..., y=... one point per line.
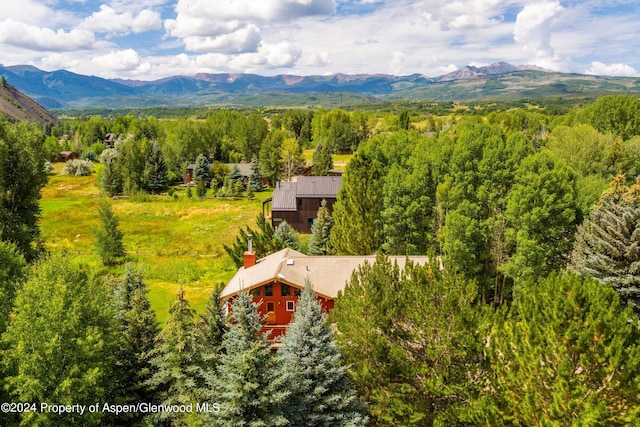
x=152, y=39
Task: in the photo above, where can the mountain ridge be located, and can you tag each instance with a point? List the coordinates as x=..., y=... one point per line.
x=17, y=106
x=62, y=89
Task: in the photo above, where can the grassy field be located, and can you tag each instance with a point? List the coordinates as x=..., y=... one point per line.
x=174, y=242
x=339, y=160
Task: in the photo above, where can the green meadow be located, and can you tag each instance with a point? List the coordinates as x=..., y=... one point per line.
x=173, y=241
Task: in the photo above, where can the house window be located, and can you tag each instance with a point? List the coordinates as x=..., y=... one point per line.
x=296, y=292
x=271, y=306
x=299, y=204
x=268, y=290
x=285, y=290
x=291, y=306
x=255, y=292
x=310, y=222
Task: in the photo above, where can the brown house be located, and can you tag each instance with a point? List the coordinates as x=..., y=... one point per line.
x=297, y=202
x=275, y=282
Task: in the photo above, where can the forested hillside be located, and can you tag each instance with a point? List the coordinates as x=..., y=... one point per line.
x=526, y=315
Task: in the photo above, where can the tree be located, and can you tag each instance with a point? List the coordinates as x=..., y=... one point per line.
x=201, y=175
x=270, y=155
x=607, y=243
x=131, y=164
x=291, y=160
x=60, y=343
x=214, y=324
x=618, y=114
x=312, y=369
x=255, y=178
x=542, y=212
x=405, y=120
x=286, y=237
x=413, y=338
x=177, y=359
x=264, y=242
x=110, y=176
x=566, y=353
x=321, y=231
x=108, y=237
x=250, y=394
x=22, y=176
x=156, y=172
x=12, y=272
x=138, y=329
x=358, y=226
x=322, y=160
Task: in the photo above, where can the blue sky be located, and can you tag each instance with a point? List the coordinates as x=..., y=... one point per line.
x=151, y=39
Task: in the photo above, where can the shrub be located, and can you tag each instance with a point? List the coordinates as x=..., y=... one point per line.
x=78, y=168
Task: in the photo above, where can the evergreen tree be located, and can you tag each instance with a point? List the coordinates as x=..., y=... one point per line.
x=320, y=231
x=202, y=170
x=22, y=175
x=607, y=243
x=251, y=393
x=138, y=330
x=108, y=237
x=264, y=242
x=60, y=343
x=255, y=178
x=177, y=359
x=156, y=171
x=110, y=178
x=322, y=160
x=312, y=369
x=406, y=334
x=566, y=354
x=235, y=175
x=213, y=323
x=286, y=237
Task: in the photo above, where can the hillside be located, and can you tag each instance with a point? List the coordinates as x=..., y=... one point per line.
x=501, y=81
x=17, y=106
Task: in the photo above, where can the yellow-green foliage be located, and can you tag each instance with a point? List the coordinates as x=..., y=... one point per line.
x=174, y=242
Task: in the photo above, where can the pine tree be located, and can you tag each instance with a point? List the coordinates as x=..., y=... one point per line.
x=250, y=391
x=138, y=330
x=320, y=231
x=255, y=178
x=213, y=321
x=263, y=241
x=202, y=170
x=108, y=237
x=313, y=372
x=566, y=354
x=60, y=343
x=235, y=175
x=286, y=236
x=177, y=359
x=156, y=170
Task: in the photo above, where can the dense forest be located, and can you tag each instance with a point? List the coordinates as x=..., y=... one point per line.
x=527, y=314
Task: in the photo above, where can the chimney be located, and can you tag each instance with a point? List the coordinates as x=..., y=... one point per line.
x=249, y=256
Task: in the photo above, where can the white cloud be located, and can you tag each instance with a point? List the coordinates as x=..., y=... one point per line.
x=600, y=69
x=533, y=32
x=108, y=20
x=44, y=39
x=122, y=60
x=245, y=39
x=316, y=59
x=461, y=14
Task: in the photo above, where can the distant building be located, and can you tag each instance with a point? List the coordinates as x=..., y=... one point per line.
x=297, y=202
x=275, y=282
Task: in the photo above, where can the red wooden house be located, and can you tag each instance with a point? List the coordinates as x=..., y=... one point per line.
x=275, y=282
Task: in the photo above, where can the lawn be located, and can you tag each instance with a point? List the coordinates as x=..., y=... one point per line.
x=339, y=160
x=173, y=242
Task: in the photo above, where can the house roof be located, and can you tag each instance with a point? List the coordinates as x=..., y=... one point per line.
x=244, y=168
x=286, y=193
x=328, y=274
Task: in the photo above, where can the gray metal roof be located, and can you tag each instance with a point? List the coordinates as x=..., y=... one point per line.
x=286, y=193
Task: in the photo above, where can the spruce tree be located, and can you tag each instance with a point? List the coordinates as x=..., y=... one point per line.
x=213, y=324
x=255, y=178
x=202, y=170
x=108, y=237
x=251, y=393
x=138, y=330
x=177, y=359
x=286, y=236
x=263, y=241
x=313, y=372
x=320, y=231
x=156, y=170
x=607, y=243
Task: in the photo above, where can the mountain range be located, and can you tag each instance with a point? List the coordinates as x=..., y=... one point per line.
x=63, y=89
